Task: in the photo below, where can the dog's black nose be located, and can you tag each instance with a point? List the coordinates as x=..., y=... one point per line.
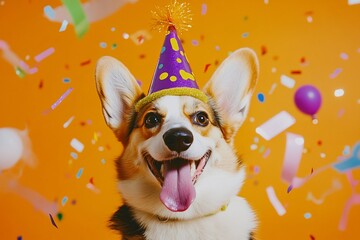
x=178, y=139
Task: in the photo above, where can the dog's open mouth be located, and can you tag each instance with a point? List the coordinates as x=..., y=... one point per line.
x=177, y=178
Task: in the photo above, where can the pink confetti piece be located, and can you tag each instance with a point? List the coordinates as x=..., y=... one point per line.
x=344, y=56
x=93, y=188
x=335, y=73
x=55, y=104
x=279, y=208
x=353, y=200
x=266, y=153
x=275, y=125
x=39, y=202
x=203, y=9
x=293, y=153
x=13, y=59
x=41, y=56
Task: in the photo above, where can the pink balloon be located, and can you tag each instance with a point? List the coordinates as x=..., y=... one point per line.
x=308, y=99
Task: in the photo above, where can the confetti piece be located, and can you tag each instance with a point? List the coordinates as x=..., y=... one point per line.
x=21, y=73
x=335, y=73
x=195, y=42
x=261, y=97
x=79, y=173
x=267, y=153
x=103, y=161
x=52, y=221
x=74, y=155
x=295, y=72
x=344, y=56
x=92, y=188
x=312, y=237
x=289, y=188
x=253, y=147
x=85, y=63
x=353, y=2
x=293, y=153
x=275, y=125
x=351, y=162
x=339, y=92
x=273, y=86
x=287, y=81
x=19, y=238
x=55, y=104
x=353, y=200
x=59, y=216
x=66, y=80
x=64, y=200
x=307, y=215
x=103, y=44
x=41, y=56
x=64, y=25
x=279, y=208
x=263, y=50
x=77, y=145
x=35, y=199
x=140, y=36
x=203, y=9
x=14, y=60
x=207, y=67
x=78, y=16
x=336, y=186
x=245, y=35
x=49, y=12
x=68, y=122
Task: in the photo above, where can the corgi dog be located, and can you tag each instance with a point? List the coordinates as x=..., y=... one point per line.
x=179, y=174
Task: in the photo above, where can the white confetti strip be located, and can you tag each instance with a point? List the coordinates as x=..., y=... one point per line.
x=287, y=81
x=77, y=145
x=275, y=125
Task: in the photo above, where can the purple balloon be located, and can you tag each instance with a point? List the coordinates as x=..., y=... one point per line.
x=308, y=99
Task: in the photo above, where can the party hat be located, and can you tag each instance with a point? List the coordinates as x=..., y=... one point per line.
x=173, y=75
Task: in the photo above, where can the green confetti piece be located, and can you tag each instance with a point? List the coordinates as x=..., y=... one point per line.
x=78, y=16
x=59, y=216
x=21, y=73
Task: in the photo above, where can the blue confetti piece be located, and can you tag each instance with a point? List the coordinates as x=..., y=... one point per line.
x=64, y=200
x=64, y=25
x=74, y=155
x=351, y=162
x=19, y=238
x=49, y=12
x=245, y=35
x=307, y=215
x=103, y=161
x=79, y=173
x=103, y=44
x=163, y=49
x=66, y=80
x=261, y=97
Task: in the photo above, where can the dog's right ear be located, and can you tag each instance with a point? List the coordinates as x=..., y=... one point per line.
x=118, y=92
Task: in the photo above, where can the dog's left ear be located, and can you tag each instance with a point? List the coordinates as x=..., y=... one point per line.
x=118, y=92
x=231, y=87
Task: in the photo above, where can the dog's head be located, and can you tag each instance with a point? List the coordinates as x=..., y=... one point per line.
x=178, y=152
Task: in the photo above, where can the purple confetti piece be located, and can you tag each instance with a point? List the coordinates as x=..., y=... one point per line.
x=52, y=221
x=203, y=9
x=289, y=188
x=44, y=54
x=335, y=73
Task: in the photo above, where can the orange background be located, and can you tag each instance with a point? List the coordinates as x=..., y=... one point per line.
x=293, y=42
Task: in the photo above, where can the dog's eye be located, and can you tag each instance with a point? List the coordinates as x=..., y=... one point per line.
x=152, y=120
x=201, y=119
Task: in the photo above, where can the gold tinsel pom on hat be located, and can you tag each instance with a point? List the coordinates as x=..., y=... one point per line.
x=176, y=14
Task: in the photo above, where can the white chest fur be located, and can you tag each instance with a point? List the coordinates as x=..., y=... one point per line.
x=236, y=222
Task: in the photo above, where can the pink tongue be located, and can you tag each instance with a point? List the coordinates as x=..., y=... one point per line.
x=178, y=191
